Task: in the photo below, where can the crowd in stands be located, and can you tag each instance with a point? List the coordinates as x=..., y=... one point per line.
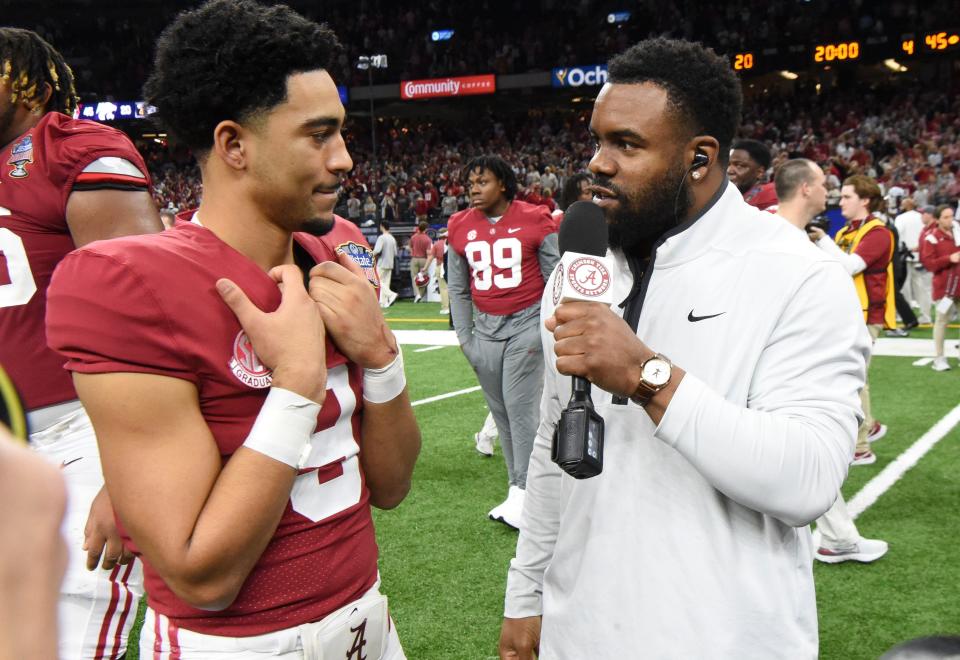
x=111, y=48
x=909, y=140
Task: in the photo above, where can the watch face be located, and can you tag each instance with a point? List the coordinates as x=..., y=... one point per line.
x=656, y=372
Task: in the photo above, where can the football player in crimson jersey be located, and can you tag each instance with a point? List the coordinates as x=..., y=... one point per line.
x=246, y=424
x=63, y=184
x=749, y=160
x=501, y=251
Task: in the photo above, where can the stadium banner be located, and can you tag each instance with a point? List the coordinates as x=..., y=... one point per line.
x=578, y=76
x=436, y=87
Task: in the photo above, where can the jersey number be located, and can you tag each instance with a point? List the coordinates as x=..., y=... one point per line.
x=504, y=253
x=318, y=500
x=19, y=285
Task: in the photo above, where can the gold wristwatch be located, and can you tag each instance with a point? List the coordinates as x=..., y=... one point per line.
x=655, y=373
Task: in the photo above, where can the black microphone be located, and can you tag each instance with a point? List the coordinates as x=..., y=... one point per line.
x=583, y=274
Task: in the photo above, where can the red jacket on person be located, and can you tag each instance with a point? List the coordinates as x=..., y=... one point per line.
x=936, y=246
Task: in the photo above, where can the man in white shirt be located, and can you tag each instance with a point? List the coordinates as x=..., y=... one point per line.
x=385, y=250
x=802, y=191
x=916, y=289
x=693, y=542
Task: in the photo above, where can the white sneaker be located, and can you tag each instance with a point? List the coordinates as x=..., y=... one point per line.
x=940, y=364
x=510, y=511
x=513, y=508
x=417, y=299
x=863, y=551
x=444, y=311
x=484, y=444
x=392, y=298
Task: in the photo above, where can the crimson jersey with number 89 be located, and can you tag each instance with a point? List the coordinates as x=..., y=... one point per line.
x=505, y=274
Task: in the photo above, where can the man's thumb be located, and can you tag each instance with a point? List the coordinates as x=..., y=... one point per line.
x=236, y=300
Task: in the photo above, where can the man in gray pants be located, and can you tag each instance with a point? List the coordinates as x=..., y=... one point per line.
x=501, y=251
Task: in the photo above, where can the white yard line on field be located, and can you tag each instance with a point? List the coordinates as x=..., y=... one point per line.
x=428, y=348
x=440, y=397
x=890, y=474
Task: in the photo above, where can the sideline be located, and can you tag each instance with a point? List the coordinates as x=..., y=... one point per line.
x=881, y=483
x=448, y=395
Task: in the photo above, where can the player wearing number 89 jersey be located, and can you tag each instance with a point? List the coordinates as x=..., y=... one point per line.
x=501, y=253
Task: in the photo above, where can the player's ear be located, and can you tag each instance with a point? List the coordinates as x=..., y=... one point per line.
x=38, y=103
x=228, y=144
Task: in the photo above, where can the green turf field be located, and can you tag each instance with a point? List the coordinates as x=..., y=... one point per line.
x=444, y=564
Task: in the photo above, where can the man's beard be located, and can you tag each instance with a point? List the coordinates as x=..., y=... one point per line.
x=644, y=216
x=317, y=226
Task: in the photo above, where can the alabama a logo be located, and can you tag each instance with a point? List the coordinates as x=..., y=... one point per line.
x=246, y=366
x=20, y=156
x=356, y=651
x=588, y=277
x=363, y=257
x=558, y=284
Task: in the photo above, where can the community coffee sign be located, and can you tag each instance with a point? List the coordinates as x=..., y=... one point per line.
x=436, y=87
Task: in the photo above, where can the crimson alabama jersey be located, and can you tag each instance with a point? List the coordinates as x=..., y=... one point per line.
x=763, y=196
x=148, y=304
x=504, y=267
x=345, y=237
x=38, y=171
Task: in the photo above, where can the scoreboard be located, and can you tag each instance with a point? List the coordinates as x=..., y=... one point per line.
x=869, y=51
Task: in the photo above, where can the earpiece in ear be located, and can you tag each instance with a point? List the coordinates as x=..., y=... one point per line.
x=700, y=159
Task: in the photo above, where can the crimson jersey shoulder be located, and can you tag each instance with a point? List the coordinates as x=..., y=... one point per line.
x=91, y=329
x=539, y=215
x=458, y=225
x=75, y=143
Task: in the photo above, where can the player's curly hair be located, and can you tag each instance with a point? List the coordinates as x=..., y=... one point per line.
x=27, y=61
x=701, y=87
x=230, y=59
x=499, y=168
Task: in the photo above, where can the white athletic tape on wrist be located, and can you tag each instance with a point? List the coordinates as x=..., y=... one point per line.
x=283, y=427
x=386, y=384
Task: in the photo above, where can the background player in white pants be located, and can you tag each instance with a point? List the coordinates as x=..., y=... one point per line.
x=500, y=253
x=802, y=191
x=64, y=183
x=385, y=250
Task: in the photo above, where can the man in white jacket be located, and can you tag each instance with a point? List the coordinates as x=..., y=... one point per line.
x=693, y=541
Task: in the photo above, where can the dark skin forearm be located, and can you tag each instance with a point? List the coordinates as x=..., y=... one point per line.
x=389, y=449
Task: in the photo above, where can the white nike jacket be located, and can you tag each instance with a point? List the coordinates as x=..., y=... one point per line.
x=694, y=541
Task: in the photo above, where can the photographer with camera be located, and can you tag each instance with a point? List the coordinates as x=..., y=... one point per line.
x=865, y=248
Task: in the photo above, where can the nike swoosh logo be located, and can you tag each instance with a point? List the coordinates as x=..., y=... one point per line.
x=514, y=230
x=66, y=463
x=694, y=319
